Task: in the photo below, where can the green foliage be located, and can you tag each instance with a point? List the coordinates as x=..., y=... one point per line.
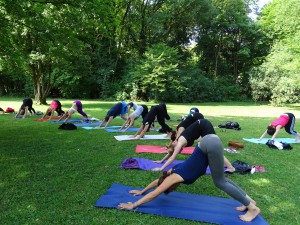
x=157, y=71
x=277, y=79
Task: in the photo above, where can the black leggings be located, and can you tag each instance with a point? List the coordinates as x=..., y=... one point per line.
x=289, y=127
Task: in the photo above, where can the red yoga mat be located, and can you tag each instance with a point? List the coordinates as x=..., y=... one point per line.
x=44, y=119
x=160, y=149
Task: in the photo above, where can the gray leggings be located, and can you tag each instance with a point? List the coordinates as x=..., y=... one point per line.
x=211, y=146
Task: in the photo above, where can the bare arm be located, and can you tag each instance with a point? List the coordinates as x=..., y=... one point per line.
x=25, y=112
x=131, y=119
x=262, y=136
x=139, y=131
x=164, y=158
x=124, y=124
x=52, y=112
x=109, y=120
x=276, y=132
x=167, y=183
x=143, y=131
x=18, y=113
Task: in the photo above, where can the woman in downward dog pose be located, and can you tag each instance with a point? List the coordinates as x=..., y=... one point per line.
x=54, y=106
x=210, y=152
x=139, y=110
x=119, y=109
x=193, y=117
x=25, y=107
x=286, y=121
x=158, y=111
x=198, y=129
x=76, y=107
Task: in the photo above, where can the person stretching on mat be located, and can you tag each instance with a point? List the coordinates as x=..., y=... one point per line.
x=286, y=121
x=119, y=109
x=138, y=110
x=54, y=106
x=76, y=107
x=193, y=117
x=161, y=113
x=200, y=128
x=25, y=107
x=207, y=153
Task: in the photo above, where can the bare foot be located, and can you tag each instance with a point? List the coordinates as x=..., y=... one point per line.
x=250, y=215
x=241, y=208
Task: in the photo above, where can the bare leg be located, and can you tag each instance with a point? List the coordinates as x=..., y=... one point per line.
x=227, y=164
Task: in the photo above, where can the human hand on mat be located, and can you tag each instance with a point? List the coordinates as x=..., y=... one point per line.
x=128, y=205
x=158, y=161
x=136, y=192
x=156, y=169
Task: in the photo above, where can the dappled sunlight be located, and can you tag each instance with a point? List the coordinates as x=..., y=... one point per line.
x=260, y=182
x=247, y=110
x=283, y=206
x=23, y=174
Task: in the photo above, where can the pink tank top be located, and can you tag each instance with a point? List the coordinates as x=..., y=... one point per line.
x=54, y=105
x=282, y=120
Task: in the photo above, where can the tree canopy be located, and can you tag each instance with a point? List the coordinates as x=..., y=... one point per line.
x=180, y=51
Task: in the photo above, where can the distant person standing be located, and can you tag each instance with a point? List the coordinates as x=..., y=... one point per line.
x=25, y=107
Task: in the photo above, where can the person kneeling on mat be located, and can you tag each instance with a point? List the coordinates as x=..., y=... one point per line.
x=207, y=153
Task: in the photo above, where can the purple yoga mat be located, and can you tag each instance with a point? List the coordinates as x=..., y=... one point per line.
x=147, y=164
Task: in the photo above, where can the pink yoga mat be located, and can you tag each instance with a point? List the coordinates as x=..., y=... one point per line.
x=160, y=149
x=47, y=118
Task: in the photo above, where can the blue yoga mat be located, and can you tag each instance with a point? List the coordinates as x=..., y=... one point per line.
x=265, y=140
x=68, y=121
x=100, y=128
x=87, y=124
x=131, y=129
x=180, y=205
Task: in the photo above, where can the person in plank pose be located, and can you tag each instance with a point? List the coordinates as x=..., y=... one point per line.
x=55, y=106
x=76, y=107
x=25, y=107
x=286, y=121
x=119, y=109
x=207, y=153
x=139, y=110
x=200, y=128
x=158, y=111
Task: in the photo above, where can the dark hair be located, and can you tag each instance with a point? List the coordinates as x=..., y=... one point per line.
x=271, y=130
x=173, y=135
x=106, y=118
x=161, y=180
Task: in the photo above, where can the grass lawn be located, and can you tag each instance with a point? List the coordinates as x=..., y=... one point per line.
x=52, y=176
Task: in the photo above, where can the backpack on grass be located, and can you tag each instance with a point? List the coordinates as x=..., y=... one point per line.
x=241, y=167
x=67, y=126
x=230, y=125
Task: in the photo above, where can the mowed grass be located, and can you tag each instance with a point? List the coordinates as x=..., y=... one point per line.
x=52, y=176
